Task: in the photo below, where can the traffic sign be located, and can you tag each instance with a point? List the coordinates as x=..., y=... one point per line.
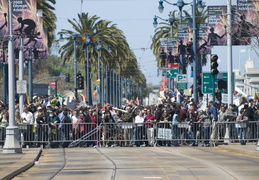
x=181, y=85
x=207, y=81
x=171, y=73
x=53, y=84
x=21, y=86
x=224, y=76
x=181, y=78
x=172, y=65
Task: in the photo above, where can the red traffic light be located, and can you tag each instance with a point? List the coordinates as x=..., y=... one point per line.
x=214, y=64
x=214, y=57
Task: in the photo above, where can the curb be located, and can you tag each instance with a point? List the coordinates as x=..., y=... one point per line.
x=22, y=169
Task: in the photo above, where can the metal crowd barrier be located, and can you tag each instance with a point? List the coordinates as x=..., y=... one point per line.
x=129, y=134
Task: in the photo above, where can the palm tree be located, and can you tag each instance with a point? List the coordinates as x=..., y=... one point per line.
x=49, y=17
x=98, y=29
x=121, y=58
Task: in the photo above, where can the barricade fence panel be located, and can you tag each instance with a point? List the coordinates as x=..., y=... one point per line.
x=129, y=134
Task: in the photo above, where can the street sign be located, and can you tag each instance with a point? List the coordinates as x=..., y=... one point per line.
x=172, y=65
x=181, y=85
x=53, y=84
x=21, y=86
x=181, y=78
x=207, y=81
x=171, y=73
x=225, y=78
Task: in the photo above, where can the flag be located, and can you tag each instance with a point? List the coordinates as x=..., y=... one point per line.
x=162, y=94
x=82, y=97
x=239, y=93
x=137, y=101
x=26, y=98
x=256, y=97
x=126, y=100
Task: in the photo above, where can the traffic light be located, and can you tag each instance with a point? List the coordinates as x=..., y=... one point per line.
x=176, y=58
x=199, y=80
x=67, y=77
x=79, y=81
x=214, y=64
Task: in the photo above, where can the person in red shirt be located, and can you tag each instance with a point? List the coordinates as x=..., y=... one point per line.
x=94, y=124
x=150, y=119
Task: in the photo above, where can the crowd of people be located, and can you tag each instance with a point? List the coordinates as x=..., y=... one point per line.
x=171, y=124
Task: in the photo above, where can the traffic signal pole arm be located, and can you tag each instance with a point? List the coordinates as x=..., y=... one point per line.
x=53, y=77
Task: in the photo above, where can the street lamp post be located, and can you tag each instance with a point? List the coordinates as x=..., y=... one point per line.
x=88, y=71
x=195, y=59
x=74, y=36
x=171, y=20
x=21, y=74
x=180, y=4
x=12, y=137
x=107, y=96
x=99, y=78
x=30, y=83
x=75, y=66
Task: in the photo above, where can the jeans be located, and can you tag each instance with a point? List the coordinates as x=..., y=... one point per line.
x=191, y=134
x=242, y=135
x=175, y=134
x=206, y=135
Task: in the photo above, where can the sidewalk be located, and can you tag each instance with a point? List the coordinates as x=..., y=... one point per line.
x=248, y=149
x=12, y=164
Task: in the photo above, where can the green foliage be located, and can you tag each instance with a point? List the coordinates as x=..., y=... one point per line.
x=121, y=58
x=49, y=20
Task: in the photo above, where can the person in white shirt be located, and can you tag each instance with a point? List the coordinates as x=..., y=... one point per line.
x=28, y=121
x=140, y=129
x=27, y=116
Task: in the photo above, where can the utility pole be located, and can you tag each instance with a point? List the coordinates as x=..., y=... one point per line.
x=229, y=51
x=12, y=144
x=21, y=74
x=30, y=75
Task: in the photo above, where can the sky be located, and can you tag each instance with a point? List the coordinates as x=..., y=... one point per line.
x=135, y=18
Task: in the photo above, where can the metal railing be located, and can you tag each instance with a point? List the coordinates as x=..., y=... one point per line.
x=130, y=134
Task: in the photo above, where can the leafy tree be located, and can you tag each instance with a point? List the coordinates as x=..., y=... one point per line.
x=121, y=58
x=49, y=17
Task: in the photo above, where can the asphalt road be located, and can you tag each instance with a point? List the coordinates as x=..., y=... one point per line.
x=143, y=163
